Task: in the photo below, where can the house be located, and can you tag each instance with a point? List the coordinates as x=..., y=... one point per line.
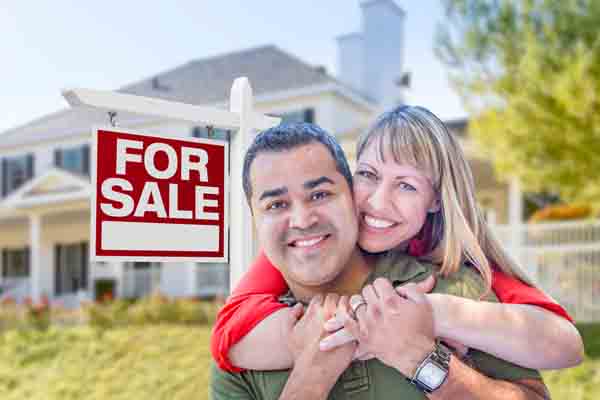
x=45, y=164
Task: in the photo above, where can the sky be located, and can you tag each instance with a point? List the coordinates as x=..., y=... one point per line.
x=46, y=46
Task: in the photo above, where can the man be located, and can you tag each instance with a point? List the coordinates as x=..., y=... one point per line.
x=298, y=186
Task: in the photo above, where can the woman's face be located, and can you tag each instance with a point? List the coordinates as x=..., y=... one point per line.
x=392, y=200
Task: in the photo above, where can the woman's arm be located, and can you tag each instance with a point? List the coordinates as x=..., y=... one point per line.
x=526, y=335
x=254, y=298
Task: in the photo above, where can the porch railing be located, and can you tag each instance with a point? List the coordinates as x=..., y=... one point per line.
x=563, y=259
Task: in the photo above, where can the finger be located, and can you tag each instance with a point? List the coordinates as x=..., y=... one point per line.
x=427, y=285
x=370, y=295
x=355, y=329
x=295, y=314
x=330, y=304
x=358, y=306
x=410, y=292
x=333, y=324
x=343, y=311
x=337, y=339
x=315, y=303
x=365, y=356
x=386, y=291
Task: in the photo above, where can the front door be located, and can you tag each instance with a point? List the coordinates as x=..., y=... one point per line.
x=71, y=268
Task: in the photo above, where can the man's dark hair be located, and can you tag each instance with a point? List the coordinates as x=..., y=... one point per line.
x=288, y=136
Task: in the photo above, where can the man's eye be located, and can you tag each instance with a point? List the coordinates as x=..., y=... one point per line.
x=319, y=195
x=276, y=205
x=366, y=174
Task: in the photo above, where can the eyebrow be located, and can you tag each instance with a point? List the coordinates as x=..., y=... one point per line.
x=316, y=182
x=273, y=193
x=308, y=185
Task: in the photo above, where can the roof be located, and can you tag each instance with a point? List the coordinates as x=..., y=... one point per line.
x=458, y=126
x=203, y=81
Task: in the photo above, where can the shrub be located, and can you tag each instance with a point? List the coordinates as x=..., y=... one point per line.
x=563, y=212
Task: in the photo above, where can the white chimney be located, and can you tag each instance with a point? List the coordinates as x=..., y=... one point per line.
x=371, y=61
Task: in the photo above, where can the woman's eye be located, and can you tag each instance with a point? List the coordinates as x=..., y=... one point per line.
x=407, y=186
x=276, y=205
x=366, y=174
x=319, y=195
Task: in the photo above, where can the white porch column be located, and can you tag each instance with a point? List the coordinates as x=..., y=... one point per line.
x=35, y=243
x=515, y=202
x=192, y=281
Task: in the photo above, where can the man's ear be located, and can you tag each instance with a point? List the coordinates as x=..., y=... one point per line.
x=435, y=206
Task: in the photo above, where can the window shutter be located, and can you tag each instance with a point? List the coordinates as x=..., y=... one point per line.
x=4, y=177
x=309, y=115
x=4, y=262
x=58, y=158
x=28, y=260
x=29, y=166
x=85, y=149
x=84, y=265
x=57, y=270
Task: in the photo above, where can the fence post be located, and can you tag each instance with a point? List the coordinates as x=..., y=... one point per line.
x=241, y=237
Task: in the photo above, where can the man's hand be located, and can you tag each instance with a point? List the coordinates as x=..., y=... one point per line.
x=396, y=326
x=315, y=371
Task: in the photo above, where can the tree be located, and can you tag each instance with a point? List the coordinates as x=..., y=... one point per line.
x=529, y=73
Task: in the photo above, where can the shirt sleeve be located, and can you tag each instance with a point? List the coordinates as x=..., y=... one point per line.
x=511, y=290
x=254, y=299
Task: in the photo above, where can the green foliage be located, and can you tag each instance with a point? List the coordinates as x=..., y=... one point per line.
x=169, y=362
x=530, y=73
x=135, y=362
x=155, y=309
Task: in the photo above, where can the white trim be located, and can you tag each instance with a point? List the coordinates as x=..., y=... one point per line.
x=17, y=199
x=329, y=87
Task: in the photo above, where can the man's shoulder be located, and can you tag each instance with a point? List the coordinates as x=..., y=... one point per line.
x=247, y=384
x=400, y=268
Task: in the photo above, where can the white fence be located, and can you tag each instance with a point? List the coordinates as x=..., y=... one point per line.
x=563, y=259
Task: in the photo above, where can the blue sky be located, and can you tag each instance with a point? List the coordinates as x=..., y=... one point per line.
x=49, y=45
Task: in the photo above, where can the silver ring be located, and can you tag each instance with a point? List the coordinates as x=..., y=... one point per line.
x=355, y=305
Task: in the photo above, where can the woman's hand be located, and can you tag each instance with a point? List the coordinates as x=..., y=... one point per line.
x=396, y=326
x=340, y=336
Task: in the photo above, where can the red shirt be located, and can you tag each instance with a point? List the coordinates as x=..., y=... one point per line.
x=256, y=297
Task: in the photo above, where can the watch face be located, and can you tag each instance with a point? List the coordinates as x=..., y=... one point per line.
x=431, y=375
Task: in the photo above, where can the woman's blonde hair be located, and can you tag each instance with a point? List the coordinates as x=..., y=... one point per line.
x=415, y=136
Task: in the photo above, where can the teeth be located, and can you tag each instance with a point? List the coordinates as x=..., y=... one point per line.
x=377, y=223
x=307, y=243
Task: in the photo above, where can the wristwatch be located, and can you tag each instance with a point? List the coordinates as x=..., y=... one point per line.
x=433, y=370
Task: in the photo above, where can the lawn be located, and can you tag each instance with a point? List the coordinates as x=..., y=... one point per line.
x=167, y=362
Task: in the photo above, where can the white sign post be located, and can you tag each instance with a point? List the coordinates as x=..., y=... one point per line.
x=243, y=122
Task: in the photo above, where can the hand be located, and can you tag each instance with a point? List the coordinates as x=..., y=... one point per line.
x=340, y=336
x=396, y=326
x=306, y=335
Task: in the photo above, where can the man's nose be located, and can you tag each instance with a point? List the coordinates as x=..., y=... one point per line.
x=379, y=198
x=302, y=217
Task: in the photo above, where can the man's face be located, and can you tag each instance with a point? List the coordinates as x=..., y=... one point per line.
x=304, y=213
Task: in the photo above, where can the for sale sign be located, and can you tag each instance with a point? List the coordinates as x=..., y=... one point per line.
x=158, y=198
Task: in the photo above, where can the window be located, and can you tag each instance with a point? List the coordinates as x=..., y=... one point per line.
x=217, y=134
x=15, y=263
x=71, y=268
x=15, y=172
x=306, y=115
x=74, y=159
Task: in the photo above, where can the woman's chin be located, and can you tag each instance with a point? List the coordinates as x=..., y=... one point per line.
x=373, y=246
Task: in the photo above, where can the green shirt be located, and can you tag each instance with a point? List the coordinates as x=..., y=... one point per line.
x=372, y=379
